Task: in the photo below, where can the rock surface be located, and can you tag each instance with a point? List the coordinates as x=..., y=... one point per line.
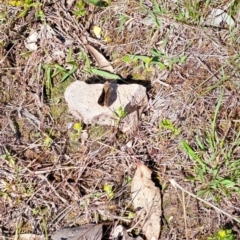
x=82, y=99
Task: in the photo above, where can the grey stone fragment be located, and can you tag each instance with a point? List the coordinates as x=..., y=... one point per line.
x=82, y=99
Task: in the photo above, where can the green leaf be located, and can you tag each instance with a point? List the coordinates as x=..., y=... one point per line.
x=127, y=59
x=200, y=143
x=157, y=53
x=167, y=124
x=69, y=56
x=215, y=172
x=157, y=8
x=161, y=66
x=145, y=59
x=120, y=113
x=227, y=183
x=109, y=190
x=74, y=68
x=154, y=18
x=105, y=74
x=183, y=59
x=193, y=155
x=8, y=157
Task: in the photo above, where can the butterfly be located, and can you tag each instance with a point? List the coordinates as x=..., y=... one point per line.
x=105, y=97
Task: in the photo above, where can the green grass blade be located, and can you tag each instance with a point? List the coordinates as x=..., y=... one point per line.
x=105, y=74
x=213, y=124
x=68, y=73
x=193, y=155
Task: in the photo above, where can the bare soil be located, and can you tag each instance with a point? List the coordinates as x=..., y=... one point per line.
x=50, y=179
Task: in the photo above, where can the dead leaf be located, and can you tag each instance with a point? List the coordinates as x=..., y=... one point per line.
x=147, y=202
x=29, y=236
x=87, y=232
x=103, y=63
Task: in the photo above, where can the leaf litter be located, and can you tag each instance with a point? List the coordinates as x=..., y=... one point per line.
x=81, y=174
x=146, y=200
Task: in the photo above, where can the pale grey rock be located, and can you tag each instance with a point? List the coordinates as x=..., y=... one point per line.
x=218, y=16
x=82, y=99
x=120, y=233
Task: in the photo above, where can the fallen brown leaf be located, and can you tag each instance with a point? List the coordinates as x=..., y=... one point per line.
x=147, y=202
x=103, y=63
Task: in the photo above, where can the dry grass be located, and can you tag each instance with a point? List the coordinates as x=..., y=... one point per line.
x=50, y=179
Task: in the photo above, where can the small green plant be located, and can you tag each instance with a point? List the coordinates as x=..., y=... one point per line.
x=157, y=8
x=167, y=124
x=109, y=191
x=147, y=61
x=77, y=127
x=158, y=55
x=8, y=157
x=128, y=180
x=159, y=59
x=79, y=10
x=131, y=215
x=91, y=70
x=190, y=12
x=120, y=113
x=39, y=14
x=216, y=165
x=226, y=234
x=53, y=70
x=193, y=11
x=47, y=142
x=26, y=5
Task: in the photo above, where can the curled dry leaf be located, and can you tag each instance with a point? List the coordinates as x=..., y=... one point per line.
x=103, y=63
x=147, y=202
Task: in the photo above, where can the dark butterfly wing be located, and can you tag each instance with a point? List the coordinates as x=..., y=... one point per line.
x=107, y=97
x=101, y=98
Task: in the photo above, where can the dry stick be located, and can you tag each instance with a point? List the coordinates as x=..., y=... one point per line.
x=176, y=185
x=164, y=83
x=185, y=215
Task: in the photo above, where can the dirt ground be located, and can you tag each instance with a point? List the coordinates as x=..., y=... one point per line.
x=51, y=178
